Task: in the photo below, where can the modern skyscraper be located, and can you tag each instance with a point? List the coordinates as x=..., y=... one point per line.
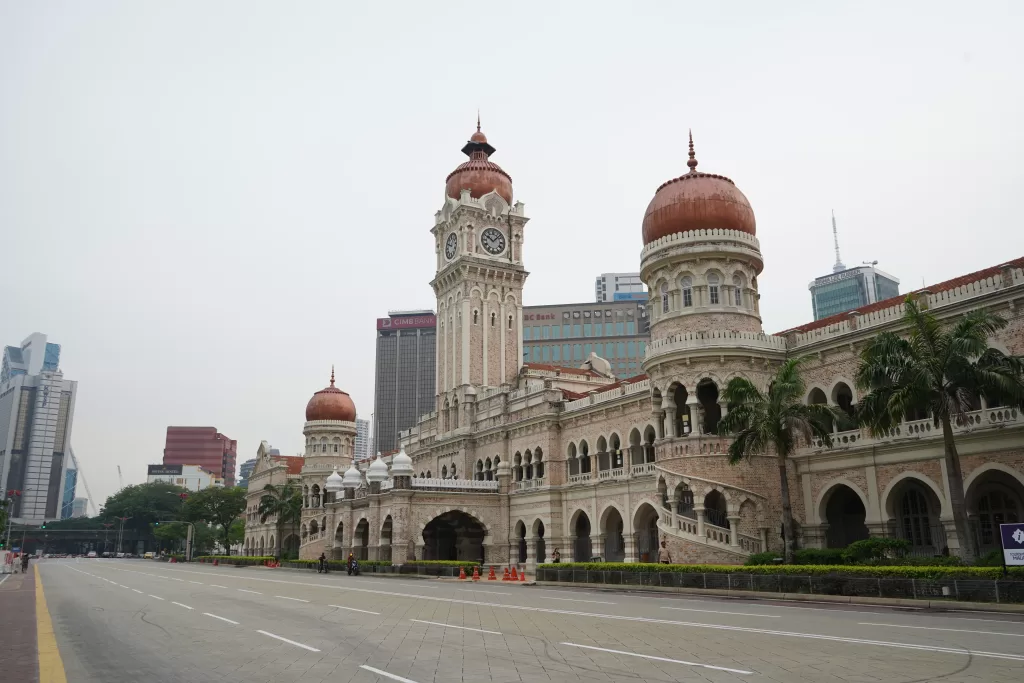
x=70, y=483
x=849, y=288
x=405, y=374
x=37, y=406
x=78, y=507
x=362, y=450
x=244, y=471
x=619, y=287
x=564, y=335
x=202, y=446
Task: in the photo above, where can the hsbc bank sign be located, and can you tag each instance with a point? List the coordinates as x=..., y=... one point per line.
x=407, y=322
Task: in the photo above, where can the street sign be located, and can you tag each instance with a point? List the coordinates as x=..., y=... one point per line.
x=1013, y=544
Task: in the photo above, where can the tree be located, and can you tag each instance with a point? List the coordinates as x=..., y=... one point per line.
x=145, y=504
x=774, y=423
x=944, y=371
x=283, y=502
x=217, y=506
x=236, y=533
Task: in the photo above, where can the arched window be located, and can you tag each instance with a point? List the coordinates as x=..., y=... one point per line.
x=335, y=448
x=454, y=473
x=444, y=472
x=510, y=322
x=664, y=298
x=915, y=518
x=494, y=317
x=713, y=288
x=475, y=316
x=737, y=290
x=687, y=286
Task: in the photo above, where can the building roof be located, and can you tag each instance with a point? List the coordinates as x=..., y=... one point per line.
x=895, y=301
x=294, y=463
x=559, y=369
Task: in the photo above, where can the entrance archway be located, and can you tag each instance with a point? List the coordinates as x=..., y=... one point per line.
x=581, y=538
x=845, y=514
x=540, y=550
x=384, y=552
x=611, y=530
x=338, y=551
x=645, y=533
x=290, y=547
x=454, y=535
x=361, y=542
x=521, y=542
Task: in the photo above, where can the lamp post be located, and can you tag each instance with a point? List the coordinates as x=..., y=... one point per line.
x=11, y=495
x=188, y=538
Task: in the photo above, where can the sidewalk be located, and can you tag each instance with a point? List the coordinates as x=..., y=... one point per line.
x=19, y=659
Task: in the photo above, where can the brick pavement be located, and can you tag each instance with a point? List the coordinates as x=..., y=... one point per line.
x=19, y=659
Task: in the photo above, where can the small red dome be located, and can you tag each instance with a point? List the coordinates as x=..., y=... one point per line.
x=331, y=403
x=697, y=201
x=479, y=175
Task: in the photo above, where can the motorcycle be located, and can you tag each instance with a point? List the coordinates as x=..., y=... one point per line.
x=323, y=568
x=353, y=568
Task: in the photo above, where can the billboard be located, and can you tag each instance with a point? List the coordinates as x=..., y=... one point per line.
x=629, y=296
x=163, y=470
x=1013, y=544
x=404, y=322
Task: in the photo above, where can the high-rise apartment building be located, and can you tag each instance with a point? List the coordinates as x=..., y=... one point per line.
x=202, y=446
x=406, y=369
x=619, y=287
x=245, y=471
x=37, y=406
x=70, y=483
x=566, y=334
x=363, y=440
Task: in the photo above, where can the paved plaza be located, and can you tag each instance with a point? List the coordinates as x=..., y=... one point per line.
x=141, y=621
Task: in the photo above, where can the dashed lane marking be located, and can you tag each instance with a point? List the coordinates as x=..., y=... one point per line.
x=285, y=597
x=154, y=596
x=385, y=674
x=207, y=614
x=461, y=628
x=290, y=642
x=933, y=628
x=661, y=659
x=353, y=609
x=714, y=611
x=180, y=605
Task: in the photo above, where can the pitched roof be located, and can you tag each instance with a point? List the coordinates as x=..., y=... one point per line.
x=294, y=462
x=622, y=382
x=558, y=368
x=897, y=300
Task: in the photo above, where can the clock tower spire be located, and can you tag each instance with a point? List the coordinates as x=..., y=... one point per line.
x=478, y=240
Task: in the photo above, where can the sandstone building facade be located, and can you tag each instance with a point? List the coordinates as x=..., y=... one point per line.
x=519, y=459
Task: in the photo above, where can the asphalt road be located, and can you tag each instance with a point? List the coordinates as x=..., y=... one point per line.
x=134, y=620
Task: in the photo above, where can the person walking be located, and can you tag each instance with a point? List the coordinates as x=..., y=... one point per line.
x=664, y=556
x=24, y=563
x=556, y=557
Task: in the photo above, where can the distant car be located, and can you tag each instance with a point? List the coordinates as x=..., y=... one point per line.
x=92, y=553
x=149, y=556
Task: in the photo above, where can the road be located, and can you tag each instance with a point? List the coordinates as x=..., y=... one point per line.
x=133, y=620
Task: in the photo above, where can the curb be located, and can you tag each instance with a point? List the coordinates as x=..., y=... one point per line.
x=947, y=605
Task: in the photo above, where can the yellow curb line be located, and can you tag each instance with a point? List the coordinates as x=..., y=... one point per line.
x=51, y=666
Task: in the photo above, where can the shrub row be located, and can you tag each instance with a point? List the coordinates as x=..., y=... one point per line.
x=835, y=556
x=927, y=572
x=441, y=563
x=237, y=560
x=336, y=564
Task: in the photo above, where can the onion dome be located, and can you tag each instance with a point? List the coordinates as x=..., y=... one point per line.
x=331, y=403
x=401, y=465
x=479, y=175
x=334, y=482
x=378, y=470
x=352, y=478
x=697, y=201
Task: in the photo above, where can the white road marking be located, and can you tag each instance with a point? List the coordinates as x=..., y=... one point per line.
x=154, y=596
x=285, y=597
x=213, y=585
x=245, y=591
x=933, y=628
x=207, y=614
x=137, y=590
x=353, y=609
x=199, y=582
x=617, y=617
x=715, y=611
x=290, y=642
x=596, y=602
x=385, y=674
x=461, y=628
x=661, y=659
x=4, y=579
x=180, y=605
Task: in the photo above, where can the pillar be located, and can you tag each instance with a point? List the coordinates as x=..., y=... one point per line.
x=698, y=510
x=670, y=418
x=734, y=532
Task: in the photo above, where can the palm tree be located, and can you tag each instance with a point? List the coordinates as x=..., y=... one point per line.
x=774, y=423
x=944, y=371
x=283, y=502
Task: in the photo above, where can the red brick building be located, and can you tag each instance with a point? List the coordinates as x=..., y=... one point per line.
x=203, y=446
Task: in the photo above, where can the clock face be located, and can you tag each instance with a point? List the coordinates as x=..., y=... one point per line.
x=451, y=245
x=493, y=241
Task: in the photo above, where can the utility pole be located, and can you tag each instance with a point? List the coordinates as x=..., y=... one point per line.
x=120, y=534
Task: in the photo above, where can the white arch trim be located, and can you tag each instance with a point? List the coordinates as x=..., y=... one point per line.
x=836, y=383
x=991, y=467
x=944, y=512
x=829, y=488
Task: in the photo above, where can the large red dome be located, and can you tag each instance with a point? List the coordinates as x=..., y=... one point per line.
x=331, y=403
x=479, y=175
x=697, y=201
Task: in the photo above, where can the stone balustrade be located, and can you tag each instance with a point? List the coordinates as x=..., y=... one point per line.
x=470, y=485
x=641, y=387
x=716, y=339
x=922, y=429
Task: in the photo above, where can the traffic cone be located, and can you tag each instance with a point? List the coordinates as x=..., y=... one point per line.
x=515, y=575
x=522, y=577
x=462, y=574
x=216, y=563
x=506, y=577
x=476, y=573
x=491, y=576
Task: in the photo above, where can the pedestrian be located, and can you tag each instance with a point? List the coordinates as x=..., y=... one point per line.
x=664, y=556
x=556, y=557
x=14, y=564
x=24, y=563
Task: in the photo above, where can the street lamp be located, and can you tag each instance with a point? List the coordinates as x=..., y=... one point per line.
x=120, y=534
x=188, y=538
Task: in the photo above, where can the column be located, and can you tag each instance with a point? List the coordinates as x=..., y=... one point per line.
x=484, y=330
x=467, y=323
x=698, y=510
x=764, y=538
x=670, y=418
x=597, y=546
x=734, y=531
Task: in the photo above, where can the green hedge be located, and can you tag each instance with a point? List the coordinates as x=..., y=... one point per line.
x=440, y=563
x=926, y=572
x=341, y=564
x=237, y=560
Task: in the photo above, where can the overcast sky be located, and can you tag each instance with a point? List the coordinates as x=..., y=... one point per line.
x=208, y=203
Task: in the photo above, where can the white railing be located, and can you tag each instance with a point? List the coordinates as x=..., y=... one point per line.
x=643, y=386
x=580, y=478
x=455, y=484
x=387, y=485
x=683, y=238
x=642, y=469
x=725, y=339
x=924, y=429
x=616, y=473
x=527, y=484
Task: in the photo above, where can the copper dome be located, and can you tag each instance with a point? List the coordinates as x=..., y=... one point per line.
x=479, y=175
x=331, y=403
x=697, y=201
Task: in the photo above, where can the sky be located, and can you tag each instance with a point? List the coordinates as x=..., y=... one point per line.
x=207, y=204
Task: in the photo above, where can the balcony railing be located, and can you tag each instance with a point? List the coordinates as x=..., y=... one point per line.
x=473, y=485
x=925, y=429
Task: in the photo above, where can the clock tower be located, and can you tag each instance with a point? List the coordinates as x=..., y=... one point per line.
x=478, y=240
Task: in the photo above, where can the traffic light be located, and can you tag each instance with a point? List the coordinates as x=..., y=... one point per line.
x=43, y=526
x=156, y=523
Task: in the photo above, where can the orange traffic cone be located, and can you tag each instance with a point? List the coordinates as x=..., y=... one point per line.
x=522, y=577
x=462, y=574
x=476, y=573
x=515, y=575
x=506, y=577
x=491, y=576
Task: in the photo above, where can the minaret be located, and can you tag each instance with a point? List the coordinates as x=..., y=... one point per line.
x=478, y=240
